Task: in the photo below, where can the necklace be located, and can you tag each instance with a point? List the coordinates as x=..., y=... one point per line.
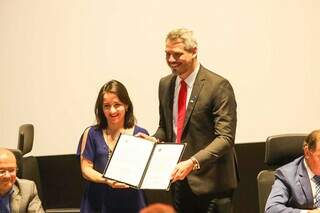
x=111, y=139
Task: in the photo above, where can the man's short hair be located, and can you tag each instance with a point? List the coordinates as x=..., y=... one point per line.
x=186, y=35
x=311, y=140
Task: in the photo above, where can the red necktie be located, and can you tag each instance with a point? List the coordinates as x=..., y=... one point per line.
x=181, y=109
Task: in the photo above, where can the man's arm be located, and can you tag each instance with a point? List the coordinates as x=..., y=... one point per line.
x=222, y=100
x=35, y=202
x=224, y=113
x=161, y=131
x=279, y=197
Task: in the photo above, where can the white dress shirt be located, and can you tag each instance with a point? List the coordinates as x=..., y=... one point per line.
x=189, y=81
x=312, y=183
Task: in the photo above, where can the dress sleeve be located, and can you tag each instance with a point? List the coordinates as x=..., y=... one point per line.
x=89, y=146
x=138, y=129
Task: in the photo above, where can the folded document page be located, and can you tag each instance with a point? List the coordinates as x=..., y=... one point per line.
x=143, y=164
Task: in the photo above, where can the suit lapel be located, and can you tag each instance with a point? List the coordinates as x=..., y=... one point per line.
x=15, y=199
x=169, y=101
x=197, y=86
x=304, y=182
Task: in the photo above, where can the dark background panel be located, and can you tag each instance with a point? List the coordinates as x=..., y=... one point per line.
x=61, y=181
x=62, y=184
x=251, y=162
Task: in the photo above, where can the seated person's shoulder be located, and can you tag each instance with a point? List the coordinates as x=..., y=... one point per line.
x=25, y=185
x=290, y=169
x=25, y=188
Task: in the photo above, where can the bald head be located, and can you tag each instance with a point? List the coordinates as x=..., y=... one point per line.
x=6, y=156
x=8, y=169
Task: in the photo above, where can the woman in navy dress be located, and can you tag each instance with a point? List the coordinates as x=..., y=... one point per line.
x=114, y=115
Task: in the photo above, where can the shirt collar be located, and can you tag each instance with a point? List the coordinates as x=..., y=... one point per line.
x=310, y=173
x=5, y=200
x=191, y=78
x=8, y=194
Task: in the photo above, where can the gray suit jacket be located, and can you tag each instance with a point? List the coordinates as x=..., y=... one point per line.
x=25, y=197
x=291, y=191
x=209, y=130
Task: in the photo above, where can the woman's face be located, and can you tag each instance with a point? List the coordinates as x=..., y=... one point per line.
x=114, y=109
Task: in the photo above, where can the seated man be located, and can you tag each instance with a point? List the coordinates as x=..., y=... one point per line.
x=16, y=195
x=295, y=188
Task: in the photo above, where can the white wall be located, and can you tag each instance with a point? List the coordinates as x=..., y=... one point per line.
x=56, y=54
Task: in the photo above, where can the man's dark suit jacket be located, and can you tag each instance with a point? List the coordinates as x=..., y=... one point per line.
x=209, y=130
x=291, y=191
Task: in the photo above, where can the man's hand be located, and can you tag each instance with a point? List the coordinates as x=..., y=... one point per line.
x=182, y=170
x=147, y=137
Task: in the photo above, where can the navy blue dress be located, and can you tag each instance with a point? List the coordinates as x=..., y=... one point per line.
x=100, y=197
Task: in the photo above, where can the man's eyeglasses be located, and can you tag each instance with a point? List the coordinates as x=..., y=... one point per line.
x=11, y=171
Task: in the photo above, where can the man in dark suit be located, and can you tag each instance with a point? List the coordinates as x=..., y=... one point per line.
x=16, y=195
x=296, y=188
x=204, y=117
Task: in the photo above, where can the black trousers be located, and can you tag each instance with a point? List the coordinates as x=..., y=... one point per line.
x=185, y=201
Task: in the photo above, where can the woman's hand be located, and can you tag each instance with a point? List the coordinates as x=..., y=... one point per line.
x=116, y=185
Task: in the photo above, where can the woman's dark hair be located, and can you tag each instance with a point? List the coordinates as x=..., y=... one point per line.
x=121, y=92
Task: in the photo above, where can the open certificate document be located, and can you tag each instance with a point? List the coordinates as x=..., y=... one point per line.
x=143, y=164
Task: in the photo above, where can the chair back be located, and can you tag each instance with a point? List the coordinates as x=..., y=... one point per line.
x=279, y=150
x=31, y=169
x=282, y=149
x=18, y=155
x=25, y=138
